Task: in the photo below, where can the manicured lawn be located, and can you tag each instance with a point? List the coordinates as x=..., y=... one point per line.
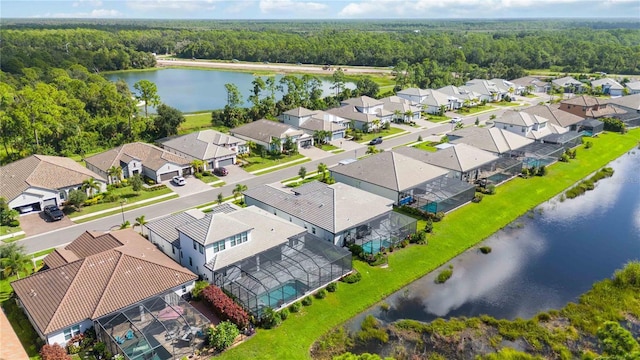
x=199, y=121
x=328, y=147
x=475, y=109
x=459, y=231
x=6, y=230
x=437, y=118
x=117, y=209
x=259, y=163
x=209, y=178
x=384, y=133
x=507, y=103
x=426, y=146
x=124, y=193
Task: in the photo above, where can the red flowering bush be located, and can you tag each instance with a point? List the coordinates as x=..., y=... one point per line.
x=224, y=306
x=54, y=352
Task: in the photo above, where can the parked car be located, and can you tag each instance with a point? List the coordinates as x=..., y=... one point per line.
x=220, y=171
x=178, y=180
x=25, y=209
x=376, y=141
x=456, y=120
x=53, y=212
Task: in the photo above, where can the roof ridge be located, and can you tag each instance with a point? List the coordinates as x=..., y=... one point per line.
x=455, y=151
x=395, y=170
x=66, y=293
x=111, y=279
x=333, y=216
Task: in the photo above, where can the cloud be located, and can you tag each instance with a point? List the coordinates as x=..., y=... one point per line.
x=96, y=14
x=238, y=6
x=183, y=5
x=91, y=3
x=290, y=6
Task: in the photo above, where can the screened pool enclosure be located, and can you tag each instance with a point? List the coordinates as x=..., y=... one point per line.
x=443, y=194
x=159, y=328
x=381, y=232
x=282, y=274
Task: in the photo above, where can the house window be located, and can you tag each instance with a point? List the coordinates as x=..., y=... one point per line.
x=289, y=218
x=313, y=230
x=218, y=246
x=184, y=289
x=522, y=130
x=238, y=239
x=201, y=248
x=71, y=332
x=173, y=249
x=195, y=245
x=63, y=195
x=190, y=261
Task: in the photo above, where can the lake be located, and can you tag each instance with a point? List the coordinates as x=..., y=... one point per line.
x=541, y=261
x=191, y=90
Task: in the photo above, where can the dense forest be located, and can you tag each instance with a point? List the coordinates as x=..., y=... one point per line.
x=54, y=100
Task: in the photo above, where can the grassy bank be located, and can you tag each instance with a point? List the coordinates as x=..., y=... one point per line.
x=459, y=231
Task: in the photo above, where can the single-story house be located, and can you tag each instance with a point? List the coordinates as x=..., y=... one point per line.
x=590, y=107
x=337, y=213
x=263, y=132
x=494, y=140
x=633, y=87
x=460, y=96
x=260, y=258
x=213, y=148
x=316, y=120
x=532, y=84
x=96, y=275
x=568, y=85
x=608, y=86
x=532, y=126
x=31, y=183
x=466, y=162
x=366, y=113
x=139, y=158
x=403, y=110
x=555, y=116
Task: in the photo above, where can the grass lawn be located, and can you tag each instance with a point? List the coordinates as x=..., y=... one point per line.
x=474, y=110
x=199, y=121
x=124, y=193
x=328, y=147
x=6, y=230
x=508, y=103
x=426, y=146
x=209, y=178
x=437, y=118
x=459, y=231
x=258, y=163
x=116, y=210
x=384, y=133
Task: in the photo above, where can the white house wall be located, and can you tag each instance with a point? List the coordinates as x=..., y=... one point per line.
x=58, y=336
x=165, y=245
x=198, y=260
x=166, y=168
x=366, y=186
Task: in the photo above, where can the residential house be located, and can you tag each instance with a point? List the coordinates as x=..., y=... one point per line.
x=434, y=101
x=328, y=212
x=508, y=87
x=316, y=120
x=460, y=96
x=213, y=148
x=271, y=134
x=494, y=140
x=608, y=86
x=532, y=84
x=139, y=158
x=465, y=162
x=532, y=126
x=633, y=87
x=95, y=276
x=403, y=110
x=628, y=109
x=487, y=90
x=568, y=85
x=590, y=107
x=366, y=113
x=31, y=183
x=555, y=116
x=260, y=258
x=415, y=95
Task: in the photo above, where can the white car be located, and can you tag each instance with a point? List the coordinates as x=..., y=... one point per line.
x=178, y=180
x=456, y=120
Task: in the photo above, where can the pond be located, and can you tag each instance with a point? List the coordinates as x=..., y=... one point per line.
x=541, y=261
x=191, y=90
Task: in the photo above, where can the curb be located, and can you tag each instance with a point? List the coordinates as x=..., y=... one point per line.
x=106, y=211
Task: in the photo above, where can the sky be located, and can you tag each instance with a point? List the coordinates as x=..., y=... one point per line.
x=318, y=9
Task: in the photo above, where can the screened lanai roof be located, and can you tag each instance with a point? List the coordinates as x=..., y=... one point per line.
x=443, y=188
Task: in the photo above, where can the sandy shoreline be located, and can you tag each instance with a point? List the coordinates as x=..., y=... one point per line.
x=279, y=68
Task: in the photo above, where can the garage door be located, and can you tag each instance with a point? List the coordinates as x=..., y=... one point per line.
x=338, y=135
x=225, y=162
x=168, y=176
x=49, y=202
x=186, y=171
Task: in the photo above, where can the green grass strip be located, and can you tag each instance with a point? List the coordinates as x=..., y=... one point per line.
x=118, y=210
x=459, y=231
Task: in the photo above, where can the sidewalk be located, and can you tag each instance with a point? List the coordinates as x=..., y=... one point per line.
x=12, y=235
x=115, y=209
x=287, y=164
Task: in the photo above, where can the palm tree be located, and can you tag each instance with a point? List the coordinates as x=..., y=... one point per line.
x=238, y=190
x=322, y=170
x=15, y=261
x=90, y=184
x=276, y=145
x=115, y=172
x=140, y=221
x=397, y=115
x=376, y=124
x=409, y=115
x=372, y=149
x=197, y=165
x=251, y=146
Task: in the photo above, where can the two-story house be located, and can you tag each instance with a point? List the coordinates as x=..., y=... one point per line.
x=366, y=113
x=432, y=101
x=403, y=110
x=590, y=107
x=316, y=120
x=487, y=90
x=460, y=96
x=213, y=148
x=531, y=126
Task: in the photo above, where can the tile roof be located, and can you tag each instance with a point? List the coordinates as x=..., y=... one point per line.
x=203, y=145
x=607, y=81
x=629, y=101
x=214, y=227
x=460, y=93
x=42, y=171
x=268, y=231
x=362, y=101
x=634, y=85
x=264, y=130
x=497, y=141
x=414, y=92
x=300, y=112
x=529, y=80
x=394, y=103
x=150, y=155
x=565, y=81
x=583, y=100
x=520, y=118
x=554, y=115
x=460, y=157
x=391, y=170
x=330, y=207
x=99, y=284
x=481, y=86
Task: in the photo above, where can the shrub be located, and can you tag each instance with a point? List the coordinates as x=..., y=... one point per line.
x=542, y=317
x=588, y=144
x=428, y=227
x=14, y=223
x=206, y=173
x=385, y=306
x=443, y=276
x=270, y=318
x=564, y=158
x=223, y=335
x=295, y=307
x=628, y=276
x=284, y=314
x=478, y=197
x=224, y=306
x=54, y=352
x=525, y=172
x=356, y=250
x=485, y=249
x=332, y=287
x=542, y=171
x=307, y=301
x=197, y=289
x=198, y=175
x=490, y=189
x=352, y=278
x=320, y=294
x=612, y=124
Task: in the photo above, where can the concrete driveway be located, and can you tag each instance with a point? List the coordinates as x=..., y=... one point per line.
x=39, y=223
x=314, y=153
x=236, y=175
x=192, y=186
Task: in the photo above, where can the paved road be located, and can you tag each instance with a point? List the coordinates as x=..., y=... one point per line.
x=305, y=68
x=68, y=234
